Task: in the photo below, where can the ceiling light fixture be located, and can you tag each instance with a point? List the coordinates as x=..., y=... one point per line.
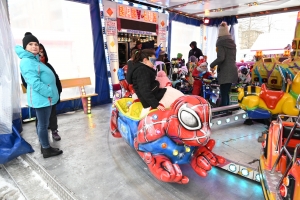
x=252, y=4
x=206, y=21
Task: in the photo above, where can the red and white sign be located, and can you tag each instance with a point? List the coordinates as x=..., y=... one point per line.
x=132, y=13
x=162, y=33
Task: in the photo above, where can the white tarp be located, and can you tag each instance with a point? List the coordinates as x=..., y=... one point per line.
x=65, y=34
x=273, y=41
x=9, y=76
x=182, y=35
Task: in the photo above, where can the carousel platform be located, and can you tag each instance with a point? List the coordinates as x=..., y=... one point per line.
x=95, y=165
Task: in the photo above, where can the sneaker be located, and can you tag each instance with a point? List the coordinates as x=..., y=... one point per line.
x=55, y=135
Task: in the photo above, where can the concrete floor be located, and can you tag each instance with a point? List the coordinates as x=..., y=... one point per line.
x=95, y=165
x=238, y=142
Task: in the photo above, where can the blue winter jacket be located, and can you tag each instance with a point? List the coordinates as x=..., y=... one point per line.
x=41, y=82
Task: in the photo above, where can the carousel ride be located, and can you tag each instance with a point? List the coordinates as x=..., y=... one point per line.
x=156, y=139
x=277, y=97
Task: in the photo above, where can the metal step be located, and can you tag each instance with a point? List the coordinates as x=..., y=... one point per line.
x=32, y=181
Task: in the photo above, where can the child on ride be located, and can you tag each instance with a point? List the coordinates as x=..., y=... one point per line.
x=201, y=75
x=178, y=62
x=146, y=87
x=192, y=64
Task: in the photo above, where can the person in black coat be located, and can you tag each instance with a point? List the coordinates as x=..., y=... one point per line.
x=146, y=87
x=53, y=118
x=167, y=62
x=142, y=76
x=195, y=51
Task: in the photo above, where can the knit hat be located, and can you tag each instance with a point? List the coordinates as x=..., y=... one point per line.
x=29, y=38
x=179, y=55
x=223, y=29
x=193, y=59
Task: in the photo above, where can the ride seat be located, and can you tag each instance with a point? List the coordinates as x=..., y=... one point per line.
x=135, y=109
x=296, y=136
x=270, y=97
x=287, y=130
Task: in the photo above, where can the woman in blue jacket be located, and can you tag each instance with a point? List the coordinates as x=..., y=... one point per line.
x=42, y=92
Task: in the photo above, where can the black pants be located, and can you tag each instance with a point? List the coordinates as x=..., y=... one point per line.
x=224, y=90
x=52, y=120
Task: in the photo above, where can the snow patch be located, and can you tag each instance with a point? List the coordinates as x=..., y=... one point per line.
x=9, y=192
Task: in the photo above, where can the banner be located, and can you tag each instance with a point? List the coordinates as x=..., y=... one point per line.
x=162, y=31
x=132, y=13
x=110, y=19
x=137, y=32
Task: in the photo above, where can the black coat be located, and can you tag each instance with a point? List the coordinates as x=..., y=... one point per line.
x=146, y=87
x=195, y=52
x=58, y=83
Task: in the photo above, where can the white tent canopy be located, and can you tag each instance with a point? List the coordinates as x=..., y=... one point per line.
x=272, y=43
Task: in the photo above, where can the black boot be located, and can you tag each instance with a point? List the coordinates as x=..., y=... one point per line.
x=49, y=152
x=51, y=147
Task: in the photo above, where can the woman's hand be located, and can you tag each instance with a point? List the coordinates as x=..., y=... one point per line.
x=160, y=107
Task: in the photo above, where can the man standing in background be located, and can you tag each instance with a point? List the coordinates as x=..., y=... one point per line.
x=195, y=51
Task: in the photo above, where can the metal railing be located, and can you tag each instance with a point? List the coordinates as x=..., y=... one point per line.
x=284, y=147
x=280, y=121
x=225, y=108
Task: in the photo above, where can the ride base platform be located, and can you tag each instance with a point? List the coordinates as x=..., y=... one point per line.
x=96, y=165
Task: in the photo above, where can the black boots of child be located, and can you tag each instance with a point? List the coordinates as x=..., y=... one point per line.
x=49, y=152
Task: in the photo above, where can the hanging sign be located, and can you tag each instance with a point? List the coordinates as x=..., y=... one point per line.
x=132, y=13
x=111, y=26
x=162, y=32
x=110, y=18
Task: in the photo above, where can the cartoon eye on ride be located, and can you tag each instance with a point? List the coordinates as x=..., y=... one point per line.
x=189, y=118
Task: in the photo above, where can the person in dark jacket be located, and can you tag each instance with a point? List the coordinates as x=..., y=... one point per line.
x=53, y=117
x=167, y=63
x=227, y=72
x=143, y=78
x=195, y=51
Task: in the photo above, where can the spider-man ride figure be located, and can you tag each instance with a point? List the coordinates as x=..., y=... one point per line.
x=165, y=139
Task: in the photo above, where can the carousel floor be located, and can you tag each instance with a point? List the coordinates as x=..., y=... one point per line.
x=95, y=165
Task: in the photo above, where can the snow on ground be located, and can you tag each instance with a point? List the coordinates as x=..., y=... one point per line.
x=8, y=191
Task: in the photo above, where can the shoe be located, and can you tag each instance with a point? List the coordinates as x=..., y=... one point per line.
x=49, y=152
x=55, y=135
x=51, y=147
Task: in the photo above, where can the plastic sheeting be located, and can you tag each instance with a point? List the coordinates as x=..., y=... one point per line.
x=74, y=44
x=182, y=35
x=212, y=36
x=9, y=84
x=11, y=143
